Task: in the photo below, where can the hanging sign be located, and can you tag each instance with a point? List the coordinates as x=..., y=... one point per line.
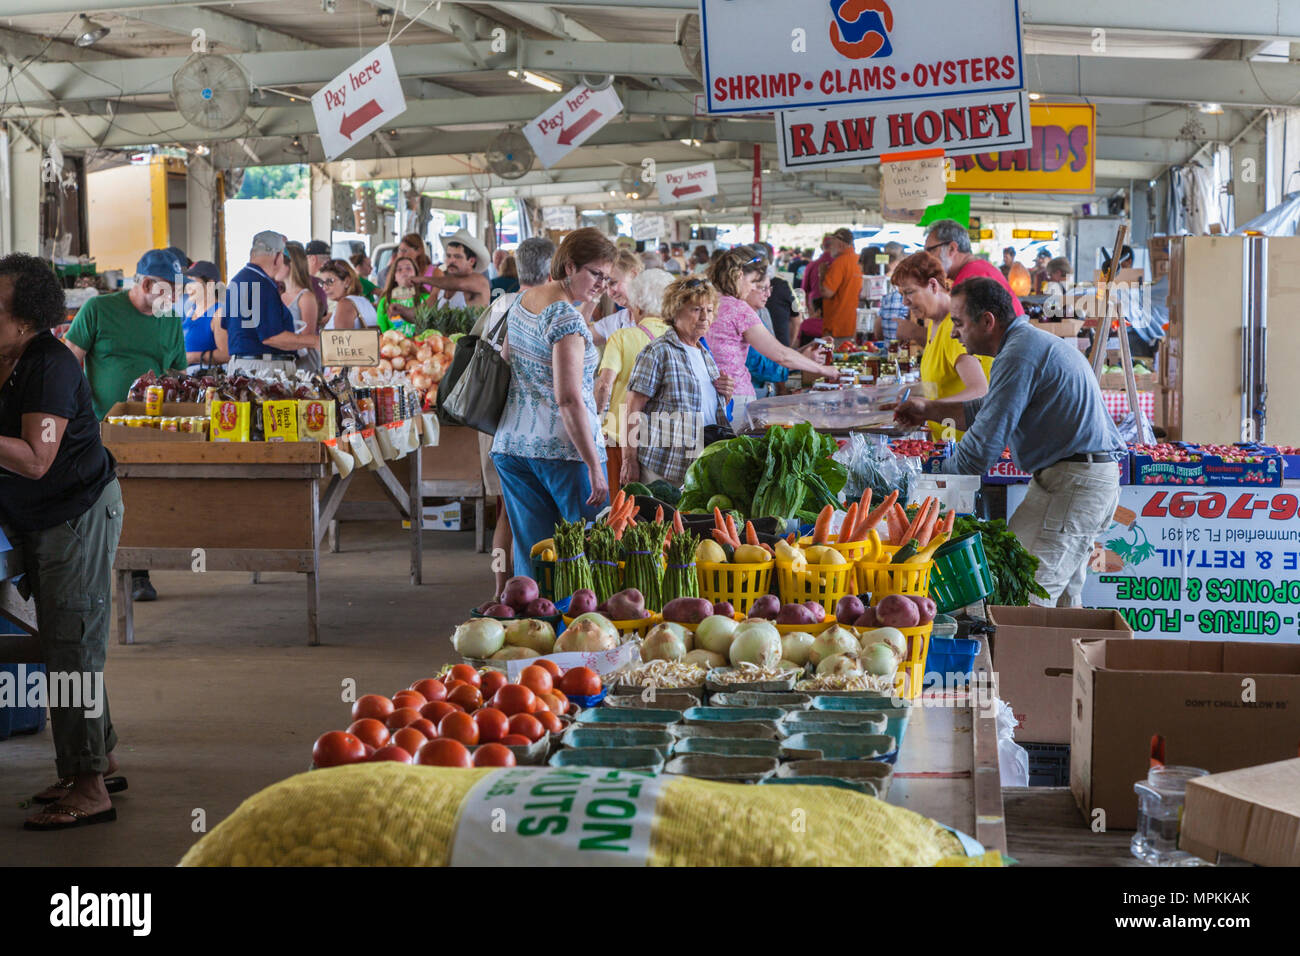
x=775, y=55
x=647, y=226
x=1061, y=157
x=913, y=183
x=572, y=121
x=852, y=135
x=560, y=218
x=688, y=183
x=358, y=101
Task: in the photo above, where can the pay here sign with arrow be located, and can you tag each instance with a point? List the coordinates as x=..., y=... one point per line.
x=571, y=122
x=358, y=101
x=688, y=183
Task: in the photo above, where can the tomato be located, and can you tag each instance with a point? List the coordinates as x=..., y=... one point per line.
x=515, y=740
x=580, y=682
x=564, y=701
x=336, y=748
x=494, y=755
x=514, y=699
x=537, y=679
x=528, y=725
x=425, y=726
x=552, y=703
x=409, y=739
x=459, y=727
x=408, y=698
x=372, y=705
x=467, y=696
x=370, y=751
x=551, y=666
x=492, y=724
x=401, y=717
x=549, y=721
x=430, y=688
x=370, y=731
x=493, y=681
x=467, y=673
x=391, y=752
x=453, y=684
x=442, y=752
x=435, y=710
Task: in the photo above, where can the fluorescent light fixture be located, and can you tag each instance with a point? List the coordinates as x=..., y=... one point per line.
x=1214, y=109
x=89, y=32
x=1035, y=96
x=537, y=80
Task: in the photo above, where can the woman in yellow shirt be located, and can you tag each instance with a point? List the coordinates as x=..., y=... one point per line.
x=645, y=296
x=946, y=368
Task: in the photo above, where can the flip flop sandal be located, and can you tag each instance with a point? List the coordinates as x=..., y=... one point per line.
x=111, y=784
x=80, y=818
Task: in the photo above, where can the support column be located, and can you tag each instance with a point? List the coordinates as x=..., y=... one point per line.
x=322, y=205
x=201, y=210
x=1250, y=175
x=20, y=193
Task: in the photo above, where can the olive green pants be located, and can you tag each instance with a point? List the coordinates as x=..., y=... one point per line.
x=70, y=572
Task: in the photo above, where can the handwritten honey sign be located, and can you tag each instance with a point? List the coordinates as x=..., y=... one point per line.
x=913, y=183
x=349, y=347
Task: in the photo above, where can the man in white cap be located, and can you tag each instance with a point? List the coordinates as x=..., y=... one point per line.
x=463, y=281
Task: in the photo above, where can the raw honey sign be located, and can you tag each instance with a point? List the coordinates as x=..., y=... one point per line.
x=1060, y=159
x=350, y=347
x=1210, y=564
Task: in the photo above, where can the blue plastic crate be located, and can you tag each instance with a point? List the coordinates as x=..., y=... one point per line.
x=950, y=661
x=1049, y=764
x=20, y=720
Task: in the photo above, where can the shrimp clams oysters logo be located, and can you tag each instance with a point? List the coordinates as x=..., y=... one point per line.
x=860, y=28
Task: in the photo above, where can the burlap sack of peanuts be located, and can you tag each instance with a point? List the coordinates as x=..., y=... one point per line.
x=389, y=814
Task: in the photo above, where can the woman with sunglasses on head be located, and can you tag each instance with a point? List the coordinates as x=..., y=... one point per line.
x=548, y=449
x=947, y=369
x=737, y=327
x=352, y=310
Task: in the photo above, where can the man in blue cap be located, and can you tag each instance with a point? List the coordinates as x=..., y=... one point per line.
x=122, y=335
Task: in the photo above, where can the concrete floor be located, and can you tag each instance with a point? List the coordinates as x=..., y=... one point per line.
x=220, y=695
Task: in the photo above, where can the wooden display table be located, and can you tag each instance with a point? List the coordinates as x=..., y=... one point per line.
x=239, y=506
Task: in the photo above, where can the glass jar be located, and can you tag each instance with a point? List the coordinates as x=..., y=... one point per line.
x=1160, y=817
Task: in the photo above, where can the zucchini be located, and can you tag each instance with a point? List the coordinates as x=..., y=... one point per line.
x=905, y=552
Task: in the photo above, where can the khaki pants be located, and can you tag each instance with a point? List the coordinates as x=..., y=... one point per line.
x=70, y=569
x=1065, y=509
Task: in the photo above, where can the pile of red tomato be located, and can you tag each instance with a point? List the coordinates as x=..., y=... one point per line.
x=436, y=721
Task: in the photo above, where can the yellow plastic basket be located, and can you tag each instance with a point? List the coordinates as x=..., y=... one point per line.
x=911, y=672
x=881, y=578
x=824, y=583
x=868, y=548
x=740, y=584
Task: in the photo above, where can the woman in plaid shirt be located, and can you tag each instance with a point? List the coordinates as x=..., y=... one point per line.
x=675, y=390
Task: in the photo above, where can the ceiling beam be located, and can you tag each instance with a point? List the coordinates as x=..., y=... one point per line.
x=16, y=45
x=542, y=16
x=221, y=28
x=1117, y=79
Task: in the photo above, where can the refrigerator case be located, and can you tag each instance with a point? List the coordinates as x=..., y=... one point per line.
x=1229, y=367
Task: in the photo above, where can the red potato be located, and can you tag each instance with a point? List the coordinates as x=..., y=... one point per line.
x=897, y=611
x=925, y=607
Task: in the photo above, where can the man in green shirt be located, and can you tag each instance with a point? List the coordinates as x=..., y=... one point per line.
x=122, y=335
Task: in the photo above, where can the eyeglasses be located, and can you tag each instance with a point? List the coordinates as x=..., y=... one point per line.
x=329, y=282
x=937, y=245
x=599, y=277
x=695, y=283
x=756, y=260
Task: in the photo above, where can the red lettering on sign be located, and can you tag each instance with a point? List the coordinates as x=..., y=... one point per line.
x=858, y=133
x=1155, y=506
x=1284, y=507
x=900, y=130
x=801, y=143
x=1242, y=507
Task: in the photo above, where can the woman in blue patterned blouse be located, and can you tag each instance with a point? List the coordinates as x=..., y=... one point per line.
x=548, y=449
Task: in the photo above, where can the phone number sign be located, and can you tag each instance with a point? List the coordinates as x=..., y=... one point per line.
x=1207, y=564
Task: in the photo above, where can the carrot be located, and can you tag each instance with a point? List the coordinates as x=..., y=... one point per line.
x=885, y=508
x=768, y=549
x=922, y=513
x=617, y=504
x=864, y=507
x=718, y=522
x=751, y=536
x=846, y=529
x=678, y=528
x=720, y=536
x=926, y=531
x=822, y=529
x=789, y=538
x=900, y=517
x=732, y=532
x=659, y=514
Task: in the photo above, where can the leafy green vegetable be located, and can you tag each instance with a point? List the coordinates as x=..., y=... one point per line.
x=635, y=488
x=665, y=491
x=1010, y=565
x=430, y=316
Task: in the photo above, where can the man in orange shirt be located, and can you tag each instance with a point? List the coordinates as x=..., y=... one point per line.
x=841, y=286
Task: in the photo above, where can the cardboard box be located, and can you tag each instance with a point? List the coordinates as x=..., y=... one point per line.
x=1220, y=705
x=1252, y=814
x=123, y=433
x=1033, y=656
x=1065, y=328
x=1115, y=381
x=446, y=517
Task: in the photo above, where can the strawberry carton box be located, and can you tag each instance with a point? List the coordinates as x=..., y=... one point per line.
x=1184, y=463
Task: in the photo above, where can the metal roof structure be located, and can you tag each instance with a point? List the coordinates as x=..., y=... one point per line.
x=1150, y=68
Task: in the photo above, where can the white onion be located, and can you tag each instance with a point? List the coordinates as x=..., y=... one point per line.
x=833, y=640
x=715, y=633
x=758, y=643
x=886, y=635
x=588, y=632
x=665, y=642
x=514, y=654
x=532, y=633
x=796, y=647
x=706, y=659
x=480, y=637
x=839, y=664
x=880, y=660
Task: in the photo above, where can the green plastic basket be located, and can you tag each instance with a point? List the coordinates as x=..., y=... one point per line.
x=961, y=574
x=544, y=575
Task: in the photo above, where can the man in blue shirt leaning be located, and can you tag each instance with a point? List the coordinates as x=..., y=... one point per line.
x=258, y=326
x=1045, y=404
